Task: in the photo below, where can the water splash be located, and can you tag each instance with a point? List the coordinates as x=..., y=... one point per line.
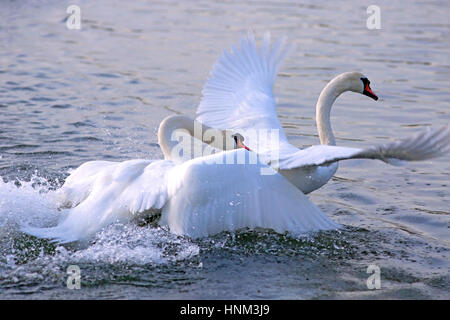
x=35, y=203
x=26, y=202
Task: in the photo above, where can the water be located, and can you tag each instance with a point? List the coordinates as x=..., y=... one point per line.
x=69, y=96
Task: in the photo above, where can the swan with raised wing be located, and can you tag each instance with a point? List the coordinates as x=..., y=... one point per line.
x=196, y=196
x=201, y=194
x=238, y=96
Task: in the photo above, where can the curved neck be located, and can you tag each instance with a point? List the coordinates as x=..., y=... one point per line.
x=168, y=141
x=323, y=108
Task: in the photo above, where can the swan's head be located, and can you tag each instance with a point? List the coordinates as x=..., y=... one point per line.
x=356, y=82
x=224, y=139
x=238, y=141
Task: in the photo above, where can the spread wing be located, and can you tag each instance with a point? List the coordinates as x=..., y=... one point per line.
x=103, y=192
x=426, y=144
x=229, y=191
x=238, y=94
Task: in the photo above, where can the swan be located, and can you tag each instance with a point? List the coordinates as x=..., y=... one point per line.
x=238, y=96
x=196, y=195
x=203, y=193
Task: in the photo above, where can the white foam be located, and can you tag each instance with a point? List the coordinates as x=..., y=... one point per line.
x=35, y=204
x=30, y=203
x=129, y=243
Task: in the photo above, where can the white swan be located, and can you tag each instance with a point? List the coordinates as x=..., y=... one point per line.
x=200, y=195
x=197, y=197
x=238, y=96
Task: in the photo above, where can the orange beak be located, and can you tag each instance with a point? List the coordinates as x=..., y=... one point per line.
x=241, y=145
x=368, y=92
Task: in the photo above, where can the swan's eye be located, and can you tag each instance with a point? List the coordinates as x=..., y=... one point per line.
x=238, y=142
x=366, y=82
x=367, y=90
x=235, y=141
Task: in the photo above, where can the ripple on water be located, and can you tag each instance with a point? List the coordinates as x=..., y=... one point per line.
x=61, y=106
x=164, y=65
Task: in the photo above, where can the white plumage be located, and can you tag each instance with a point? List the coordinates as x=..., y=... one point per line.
x=238, y=93
x=99, y=193
x=238, y=96
x=208, y=194
x=425, y=144
x=197, y=198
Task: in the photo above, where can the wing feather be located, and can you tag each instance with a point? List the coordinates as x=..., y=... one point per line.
x=238, y=96
x=113, y=194
x=426, y=144
x=228, y=197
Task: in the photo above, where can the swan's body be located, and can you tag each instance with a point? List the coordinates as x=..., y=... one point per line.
x=238, y=96
x=198, y=197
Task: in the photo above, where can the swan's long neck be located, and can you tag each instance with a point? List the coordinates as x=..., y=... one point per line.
x=323, y=108
x=194, y=128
